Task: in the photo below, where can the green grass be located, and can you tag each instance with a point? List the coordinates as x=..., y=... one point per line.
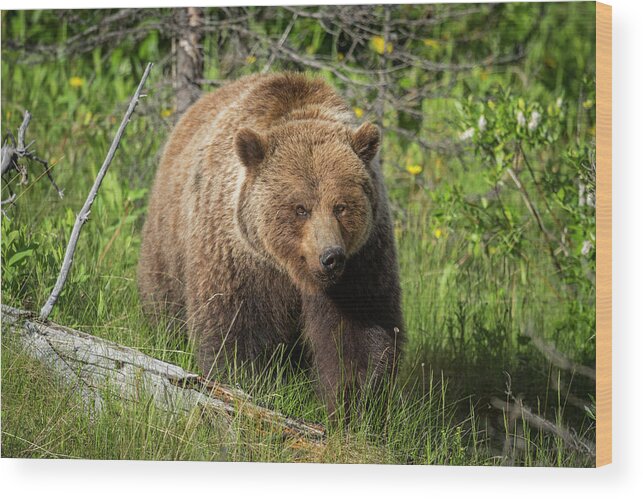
x=466, y=312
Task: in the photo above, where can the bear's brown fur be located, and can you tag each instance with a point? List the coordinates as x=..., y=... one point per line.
x=268, y=220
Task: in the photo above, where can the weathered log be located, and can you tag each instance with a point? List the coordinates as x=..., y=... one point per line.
x=92, y=364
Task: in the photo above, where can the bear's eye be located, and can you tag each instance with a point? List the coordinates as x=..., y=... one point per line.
x=339, y=210
x=301, y=211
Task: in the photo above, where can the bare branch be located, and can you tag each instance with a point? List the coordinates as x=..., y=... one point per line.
x=13, y=150
x=280, y=44
x=82, y=217
x=517, y=408
x=550, y=240
x=557, y=358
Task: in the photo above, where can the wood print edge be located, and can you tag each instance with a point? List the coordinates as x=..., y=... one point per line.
x=603, y=234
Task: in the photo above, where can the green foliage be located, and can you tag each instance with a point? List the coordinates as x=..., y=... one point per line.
x=16, y=250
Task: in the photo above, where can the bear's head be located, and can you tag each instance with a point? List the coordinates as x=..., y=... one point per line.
x=307, y=199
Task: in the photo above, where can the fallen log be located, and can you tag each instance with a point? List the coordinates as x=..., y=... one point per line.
x=90, y=364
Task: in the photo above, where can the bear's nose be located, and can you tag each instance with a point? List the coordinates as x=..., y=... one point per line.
x=333, y=259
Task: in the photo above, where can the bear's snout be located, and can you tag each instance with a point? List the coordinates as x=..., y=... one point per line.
x=332, y=260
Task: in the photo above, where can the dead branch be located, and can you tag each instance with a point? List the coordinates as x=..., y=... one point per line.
x=14, y=151
x=517, y=410
x=549, y=238
x=557, y=358
x=83, y=215
x=91, y=364
x=280, y=44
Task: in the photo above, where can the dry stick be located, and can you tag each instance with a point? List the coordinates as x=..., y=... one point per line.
x=12, y=152
x=23, y=130
x=557, y=358
x=280, y=44
x=9, y=152
x=559, y=224
x=569, y=439
x=534, y=212
x=82, y=217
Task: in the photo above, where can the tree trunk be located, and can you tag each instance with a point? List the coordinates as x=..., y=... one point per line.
x=189, y=57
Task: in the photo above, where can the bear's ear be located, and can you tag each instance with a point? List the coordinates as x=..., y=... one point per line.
x=251, y=147
x=366, y=141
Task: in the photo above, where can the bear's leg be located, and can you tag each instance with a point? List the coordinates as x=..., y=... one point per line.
x=230, y=331
x=216, y=328
x=349, y=353
x=161, y=292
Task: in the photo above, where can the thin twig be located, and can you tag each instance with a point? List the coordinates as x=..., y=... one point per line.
x=82, y=217
x=14, y=150
x=543, y=197
x=557, y=358
x=534, y=212
x=280, y=44
x=569, y=439
x=17, y=148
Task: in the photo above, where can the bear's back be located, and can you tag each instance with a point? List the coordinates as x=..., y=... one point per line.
x=203, y=112
x=286, y=96
x=260, y=102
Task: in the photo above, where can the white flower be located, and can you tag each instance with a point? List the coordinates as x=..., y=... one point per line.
x=559, y=102
x=467, y=134
x=520, y=117
x=534, y=120
x=482, y=123
x=587, y=247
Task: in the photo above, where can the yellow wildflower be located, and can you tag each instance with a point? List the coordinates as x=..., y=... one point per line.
x=251, y=59
x=76, y=81
x=166, y=113
x=437, y=233
x=380, y=46
x=359, y=112
x=414, y=169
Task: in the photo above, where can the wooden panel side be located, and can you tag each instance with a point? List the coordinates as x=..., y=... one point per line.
x=603, y=234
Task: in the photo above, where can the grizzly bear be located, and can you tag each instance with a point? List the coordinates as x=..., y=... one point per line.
x=268, y=224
